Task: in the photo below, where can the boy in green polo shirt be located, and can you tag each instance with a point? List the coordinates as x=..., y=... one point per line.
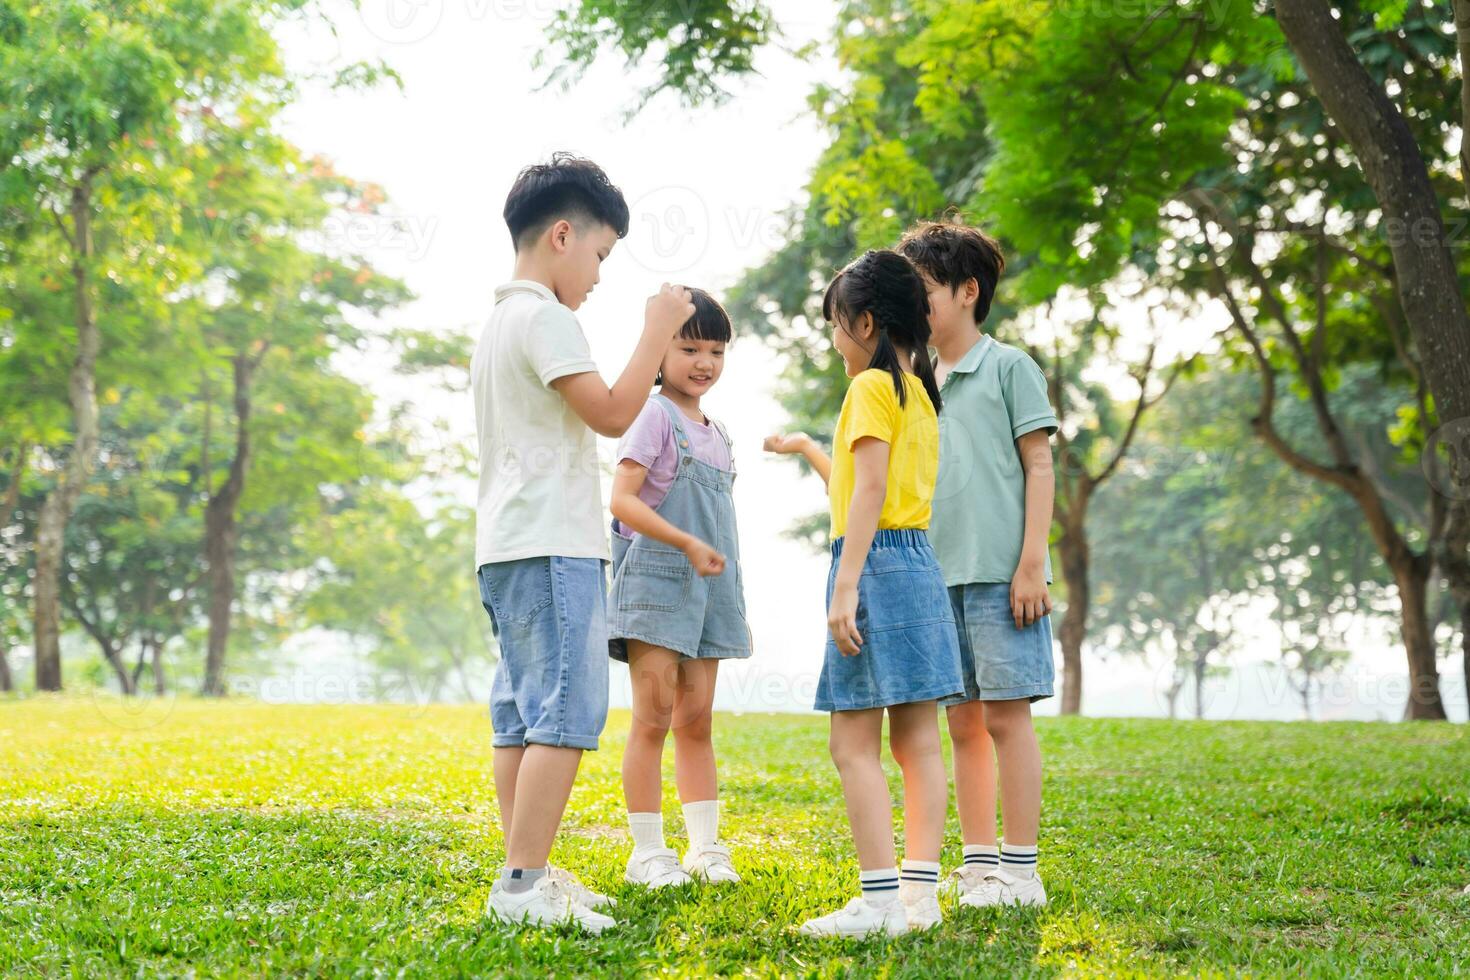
x=991, y=518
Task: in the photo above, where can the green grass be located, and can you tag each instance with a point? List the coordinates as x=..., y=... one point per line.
x=248, y=839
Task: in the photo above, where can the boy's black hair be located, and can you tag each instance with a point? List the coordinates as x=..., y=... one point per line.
x=885, y=284
x=567, y=186
x=950, y=252
x=709, y=322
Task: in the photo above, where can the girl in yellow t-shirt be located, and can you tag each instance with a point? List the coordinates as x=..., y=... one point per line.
x=892, y=645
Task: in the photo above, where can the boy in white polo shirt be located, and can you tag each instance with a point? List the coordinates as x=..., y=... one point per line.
x=540, y=545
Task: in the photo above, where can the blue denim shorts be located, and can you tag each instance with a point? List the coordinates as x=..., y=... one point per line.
x=1001, y=663
x=551, y=617
x=910, y=651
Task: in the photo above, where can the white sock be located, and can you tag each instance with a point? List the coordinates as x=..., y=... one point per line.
x=1018, y=859
x=880, y=886
x=702, y=821
x=920, y=876
x=982, y=856
x=648, y=830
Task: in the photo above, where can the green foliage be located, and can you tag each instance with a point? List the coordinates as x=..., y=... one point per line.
x=696, y=43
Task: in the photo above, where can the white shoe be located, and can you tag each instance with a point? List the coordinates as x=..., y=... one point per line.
x=1000, y=887
x=581, y=894
x=921, y=906
x=547, y=903
x=861, y=917
x=710, y=863
x=963, y=880
x=656, y=867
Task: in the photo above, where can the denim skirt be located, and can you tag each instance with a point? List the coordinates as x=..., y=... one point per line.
x=910, y=649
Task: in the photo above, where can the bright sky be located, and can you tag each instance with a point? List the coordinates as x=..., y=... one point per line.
x=705, y=188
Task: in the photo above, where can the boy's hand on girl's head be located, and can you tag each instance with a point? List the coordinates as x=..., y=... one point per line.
x=668, y=310
x=706, y=560
x=1030, y=599
x=842, y=620
x=788, y=444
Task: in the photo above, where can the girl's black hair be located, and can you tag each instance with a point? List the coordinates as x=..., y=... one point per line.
x=885, y=284
x=709, y=322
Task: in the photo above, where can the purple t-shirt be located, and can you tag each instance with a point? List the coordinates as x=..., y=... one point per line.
x=649, y=442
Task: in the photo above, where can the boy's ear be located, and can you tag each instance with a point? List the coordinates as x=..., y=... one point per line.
x=970, y=292
x=561, y=233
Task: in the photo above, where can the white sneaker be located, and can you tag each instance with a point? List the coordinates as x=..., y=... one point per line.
x=656, y=867
x=921, y=906
x=1000, y=887
x=711, y=863
x=861, y=917
x=581, y=894
x=963, y=880
x=547, y=903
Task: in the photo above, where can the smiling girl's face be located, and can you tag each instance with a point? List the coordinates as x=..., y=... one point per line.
x=693, y=366
x=854, y=343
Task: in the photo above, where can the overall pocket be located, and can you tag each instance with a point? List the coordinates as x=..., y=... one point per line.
x=654, y=579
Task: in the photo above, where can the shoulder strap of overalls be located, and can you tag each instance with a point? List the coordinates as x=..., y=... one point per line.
x=729, y=446
x=681, y=438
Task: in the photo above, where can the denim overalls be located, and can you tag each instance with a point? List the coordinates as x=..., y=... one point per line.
x=656, y=595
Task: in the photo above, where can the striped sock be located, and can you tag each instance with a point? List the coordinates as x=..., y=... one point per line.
x=880, y=885
x=1018, y=859
x=920, y=876
x=982, y=856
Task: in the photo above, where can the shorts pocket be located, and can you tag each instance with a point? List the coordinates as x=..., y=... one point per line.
x=654, y=580
x=517, y=591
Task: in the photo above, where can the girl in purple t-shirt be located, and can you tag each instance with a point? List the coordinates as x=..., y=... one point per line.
x=676, y=608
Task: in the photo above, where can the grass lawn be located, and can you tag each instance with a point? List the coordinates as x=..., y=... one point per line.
x=250, y=839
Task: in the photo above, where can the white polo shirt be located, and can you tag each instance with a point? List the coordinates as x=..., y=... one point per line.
x=540, y=481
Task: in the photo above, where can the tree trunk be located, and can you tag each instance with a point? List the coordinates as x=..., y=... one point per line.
x=1429, y=284
x=1412, y=578
x=1073, y=549
x=57, y=509
x=220, y=529
x=7, y=684
x=159, y=686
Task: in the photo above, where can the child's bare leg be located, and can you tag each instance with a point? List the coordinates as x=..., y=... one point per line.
x=507, y=765
x=913, y=737
x=856, y=744
x=655, y=676
x=1019, y=759
x=543, y=785
x=694, y=749
x=974, y=772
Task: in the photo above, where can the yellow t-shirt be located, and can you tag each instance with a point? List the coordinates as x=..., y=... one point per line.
x=912, y=432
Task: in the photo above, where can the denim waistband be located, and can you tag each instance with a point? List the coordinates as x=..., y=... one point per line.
x=891, y=537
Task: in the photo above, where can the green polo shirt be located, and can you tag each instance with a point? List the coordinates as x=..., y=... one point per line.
x=995, y=395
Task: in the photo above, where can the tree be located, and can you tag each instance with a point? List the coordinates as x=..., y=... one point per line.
x=107, y=92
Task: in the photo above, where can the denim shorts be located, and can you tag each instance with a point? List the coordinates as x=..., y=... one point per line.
x=551, y=617
x=910, y=651
x=1001, y=663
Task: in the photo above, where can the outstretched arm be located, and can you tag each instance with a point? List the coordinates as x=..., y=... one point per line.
x=799, y=443
x=609, y=411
